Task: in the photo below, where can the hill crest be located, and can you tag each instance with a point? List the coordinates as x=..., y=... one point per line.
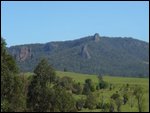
x=92, y=54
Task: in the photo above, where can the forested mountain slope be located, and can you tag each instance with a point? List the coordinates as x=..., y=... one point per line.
x=92, y=54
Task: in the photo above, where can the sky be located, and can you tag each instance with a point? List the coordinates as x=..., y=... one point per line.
x=28, y=22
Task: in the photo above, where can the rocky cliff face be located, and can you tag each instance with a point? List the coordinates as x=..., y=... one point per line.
x=85, y=52
x=25, y=52
x=22, y=54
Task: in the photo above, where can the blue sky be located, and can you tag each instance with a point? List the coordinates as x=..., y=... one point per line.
x=41, y=22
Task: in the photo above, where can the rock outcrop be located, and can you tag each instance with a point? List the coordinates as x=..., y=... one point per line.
x=85, y=52
x=96, y=37
x=24, y=53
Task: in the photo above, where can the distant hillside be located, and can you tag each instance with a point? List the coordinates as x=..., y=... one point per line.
x=92, y=54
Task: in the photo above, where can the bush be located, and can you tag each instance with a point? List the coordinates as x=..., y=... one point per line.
x=112, y=106
x=77, y=88
x=118, y=101
x=79, y=104
x=65, y=82
x=88, y=87
x=106, y=107
x=115, y=96
x=125, y=98
x=103, y=85
x=91, y=101
x=63, y=100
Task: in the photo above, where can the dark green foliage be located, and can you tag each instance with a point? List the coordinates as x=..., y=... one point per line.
x=63, y=101
x=7, y=61
x=18, y=102
x=125, y=98
x=118, y=101
x=113, y=56
x=88, y=87
x=100, y=77
x=97, y=87
x=112, y=106
x=104, y=106
x=65, y=69
x=45, y=72
x=12, y=95
x=110, y=87
x=48, y=93
x=11, y=64
x=77, y=88
x=103, y=85
x=91, y=101
x=115, y=96
x=66, y=82
x=138, y=92
x=38, y=91
x=80, y=104
x=36, y=95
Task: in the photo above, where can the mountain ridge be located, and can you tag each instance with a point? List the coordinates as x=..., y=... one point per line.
x=91, y=54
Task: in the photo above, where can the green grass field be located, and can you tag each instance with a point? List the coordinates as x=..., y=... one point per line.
x=116, y=81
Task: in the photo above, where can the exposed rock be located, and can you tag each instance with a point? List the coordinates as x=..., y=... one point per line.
x=85, y=53
x=24, y=53
x=96, y=37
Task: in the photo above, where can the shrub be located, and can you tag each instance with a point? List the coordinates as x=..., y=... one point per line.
x=80, y=104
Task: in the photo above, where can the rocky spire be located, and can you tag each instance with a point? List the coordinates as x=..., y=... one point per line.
x=96, y=37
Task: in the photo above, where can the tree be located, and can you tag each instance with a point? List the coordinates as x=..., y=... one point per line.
x=115, y=96
x=112, y=106
x=106, y=107
x=77, y=88
x=91, y=101
x=100, y=105
x=103, y=85
x=63, y=100
x=88, y=87
x=138, y=92
x=65, y=69
x=66, y=82
x=125, y=98
x=11, y=86
x=118, y=101
x=131, y=97
x=45, y=72
x=38, y=91
x=80, y=104
x=18, y=102
x=100, y=77
x=110, y=87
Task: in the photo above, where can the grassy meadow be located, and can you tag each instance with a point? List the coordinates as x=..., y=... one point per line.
x=117, y=82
